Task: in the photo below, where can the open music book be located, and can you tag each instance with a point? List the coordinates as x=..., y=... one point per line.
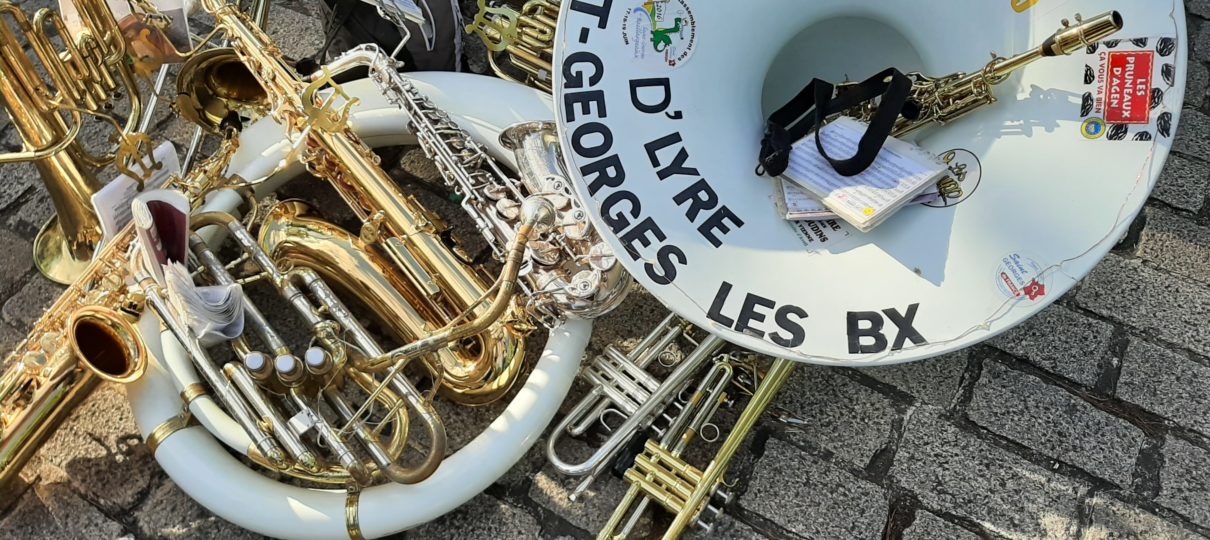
x=214, y=313
x=901, y=172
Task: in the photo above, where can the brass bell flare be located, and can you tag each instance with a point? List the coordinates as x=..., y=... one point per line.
x=214, y=85
x=105, y=342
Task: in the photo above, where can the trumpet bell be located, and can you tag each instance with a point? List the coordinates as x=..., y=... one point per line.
x=215, y=87
x=105, y=342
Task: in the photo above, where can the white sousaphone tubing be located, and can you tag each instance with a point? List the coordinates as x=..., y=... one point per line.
x=197, y=461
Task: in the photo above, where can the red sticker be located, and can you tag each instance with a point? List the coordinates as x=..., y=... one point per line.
x=1129, y=89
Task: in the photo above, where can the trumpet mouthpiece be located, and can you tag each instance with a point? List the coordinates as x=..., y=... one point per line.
x=1084, y=33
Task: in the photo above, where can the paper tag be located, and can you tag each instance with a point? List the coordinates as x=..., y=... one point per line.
x=112, y=202
x=301, y=422
x=901, y=171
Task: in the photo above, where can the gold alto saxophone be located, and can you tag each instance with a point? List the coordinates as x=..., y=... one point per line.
x=85, y=337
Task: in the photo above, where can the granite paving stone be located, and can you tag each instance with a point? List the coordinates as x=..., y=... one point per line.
x=16, y=260
x=1190, y=133
x=30, y=216
x=76, y=514
x=31, y=519
x=9, y=338
x=1049, y=419
x=1184, y=482
x=956, y=472
x=726, y=528
x=1197, y=85
x=1176, y=244
x=18, y=178
x=933, y=381
x=1167, y=383
x=1060, y=340
x=26, y=306
x=1200, y=45
x=169, y=513
x=1136, y=293
x=928, y=526
x=98, y=452
x=483, y=517
x=1184, y=184
x=1201, y=8
x=812, y=498
x=832, y=411
x=1115, y=520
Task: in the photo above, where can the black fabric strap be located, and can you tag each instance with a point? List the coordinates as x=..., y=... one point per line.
x=794, y=121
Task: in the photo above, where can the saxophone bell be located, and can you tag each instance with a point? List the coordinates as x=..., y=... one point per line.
x=105, y=342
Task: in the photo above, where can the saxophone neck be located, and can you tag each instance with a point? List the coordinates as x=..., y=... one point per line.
x=1068, y=39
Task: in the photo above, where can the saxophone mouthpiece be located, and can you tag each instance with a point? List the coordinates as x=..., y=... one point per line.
x=1084, y=33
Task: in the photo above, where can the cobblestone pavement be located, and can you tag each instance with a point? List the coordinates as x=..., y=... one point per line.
x=1090, y=421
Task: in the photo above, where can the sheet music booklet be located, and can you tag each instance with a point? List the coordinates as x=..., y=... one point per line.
x=901, y=173
x=214, y=313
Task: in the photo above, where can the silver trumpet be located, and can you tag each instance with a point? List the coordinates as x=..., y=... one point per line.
x=624, y=389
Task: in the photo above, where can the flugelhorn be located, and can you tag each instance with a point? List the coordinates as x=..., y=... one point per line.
x=85, y=77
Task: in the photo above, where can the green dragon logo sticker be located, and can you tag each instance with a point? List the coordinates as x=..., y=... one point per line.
x=660, y=33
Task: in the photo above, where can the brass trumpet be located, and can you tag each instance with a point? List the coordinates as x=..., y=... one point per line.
x=625, y=390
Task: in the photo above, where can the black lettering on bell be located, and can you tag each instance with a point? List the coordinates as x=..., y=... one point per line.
x=748, y=314
x=618, y=218
x=699, y=195
x=601, y=11
x=874, y=331
x=719, y=222
x=667, y=259
x=904, y=324
x=678, y=163
x=586, y=100
x=585, y=130
x=716, y=308
x=642, y=233
x=604, y=172
x=661, y=84
x=573, y=73
x=797, y=334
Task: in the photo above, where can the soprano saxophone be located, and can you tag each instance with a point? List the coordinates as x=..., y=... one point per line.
x=944, y=99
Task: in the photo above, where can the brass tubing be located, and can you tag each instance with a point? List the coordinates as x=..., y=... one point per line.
x=538, y=212
x=772, y=382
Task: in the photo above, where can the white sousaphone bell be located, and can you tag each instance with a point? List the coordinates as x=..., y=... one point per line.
x=662, y=105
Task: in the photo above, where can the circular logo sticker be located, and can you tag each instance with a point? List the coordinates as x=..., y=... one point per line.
x=1019, y=276
x=660, y=33
x=1093, y=128
x=962, y=179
